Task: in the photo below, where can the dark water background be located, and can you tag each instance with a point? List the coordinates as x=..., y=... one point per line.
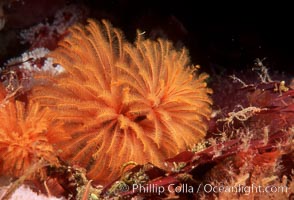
x=220, y=36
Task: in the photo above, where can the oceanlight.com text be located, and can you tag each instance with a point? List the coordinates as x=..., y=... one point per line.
x=208, y=188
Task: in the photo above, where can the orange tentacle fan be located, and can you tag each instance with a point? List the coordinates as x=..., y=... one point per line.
x=122, y=102
x=26, y=136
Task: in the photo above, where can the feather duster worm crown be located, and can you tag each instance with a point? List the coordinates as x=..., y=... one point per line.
x=122, y=102
x=26, y=136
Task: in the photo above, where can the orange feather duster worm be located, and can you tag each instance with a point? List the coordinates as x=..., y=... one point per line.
x=25, y=137
x=122, y=102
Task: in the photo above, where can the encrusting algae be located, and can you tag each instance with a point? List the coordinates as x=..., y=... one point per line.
x=122, y=102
